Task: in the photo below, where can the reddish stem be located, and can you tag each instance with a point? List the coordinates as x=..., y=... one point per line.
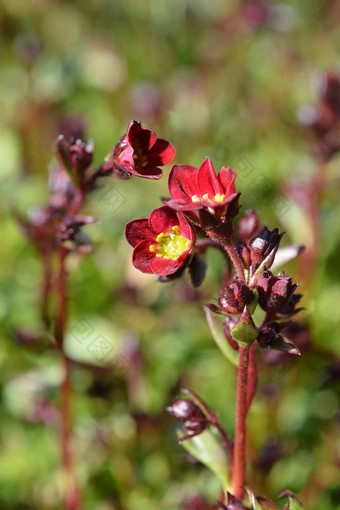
x=239, y=462
x=252, y=375
x=235, y=258
x=61, y=295
x=229, y=247
x=46, y=287
x=72, y=497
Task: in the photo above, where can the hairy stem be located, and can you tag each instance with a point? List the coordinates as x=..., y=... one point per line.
x=239, y=459
x=252, y=375
x=72, y=497
x=235, y=258
x=230, y=249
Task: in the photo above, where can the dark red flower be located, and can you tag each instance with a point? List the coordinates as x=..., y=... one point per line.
x=140, y=153
x=193, y=188
x=162, y=243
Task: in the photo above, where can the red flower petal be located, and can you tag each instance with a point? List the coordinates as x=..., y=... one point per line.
x=182, y=205
x=165, y=266
x=207, y=180
x=161, y=153
x=162, y=219
x=125, y=158
x=134, y=128
x=187, y=232
x=143, y=140
x=142, y=257
x=137, y=231
x=227, y=177
x=183, y=182
x=149, y=173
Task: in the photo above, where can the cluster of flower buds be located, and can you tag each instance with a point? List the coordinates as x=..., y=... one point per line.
x=76, y=157
x=323, y=120
x=72, y=236
x=274, y=294
x=188, y=413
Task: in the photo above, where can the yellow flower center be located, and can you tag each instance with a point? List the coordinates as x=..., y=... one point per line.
x=217, y=198
x=170, y=245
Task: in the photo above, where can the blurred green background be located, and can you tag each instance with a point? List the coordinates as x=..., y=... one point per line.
x=216, y=78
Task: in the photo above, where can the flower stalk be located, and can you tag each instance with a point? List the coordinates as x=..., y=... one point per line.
x=239, y=459
x=73, y=495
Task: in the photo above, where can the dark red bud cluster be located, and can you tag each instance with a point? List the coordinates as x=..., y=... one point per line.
x=276, y=293
x=71, y=234
x=267, y=334
x=235, y=296
x=190, y=414
x=75, y=156
x=264, y=246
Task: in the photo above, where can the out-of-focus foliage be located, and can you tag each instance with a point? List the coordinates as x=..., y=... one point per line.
x=215, y=80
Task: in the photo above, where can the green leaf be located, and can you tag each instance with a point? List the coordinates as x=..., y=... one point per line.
x=215, y=327
x=206, y=448
x=294, y=502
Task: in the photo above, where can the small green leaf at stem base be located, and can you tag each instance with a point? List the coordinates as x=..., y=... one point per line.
x=208, y=450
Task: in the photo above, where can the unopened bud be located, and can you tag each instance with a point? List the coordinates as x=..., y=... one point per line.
x=248, y=226
x=235, y=296
x=188, y=413
x=264, y=246
x=276, y=293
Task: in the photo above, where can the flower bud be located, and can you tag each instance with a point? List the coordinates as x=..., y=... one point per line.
x=270, y=338
x=276, y=293
x=248, y=226
x=330, y=91
x=244, y=253
x=233, y=503
x=264, y=246
x=235, y=296
x=75, y=155
x=188, y=413
x=71, y=235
